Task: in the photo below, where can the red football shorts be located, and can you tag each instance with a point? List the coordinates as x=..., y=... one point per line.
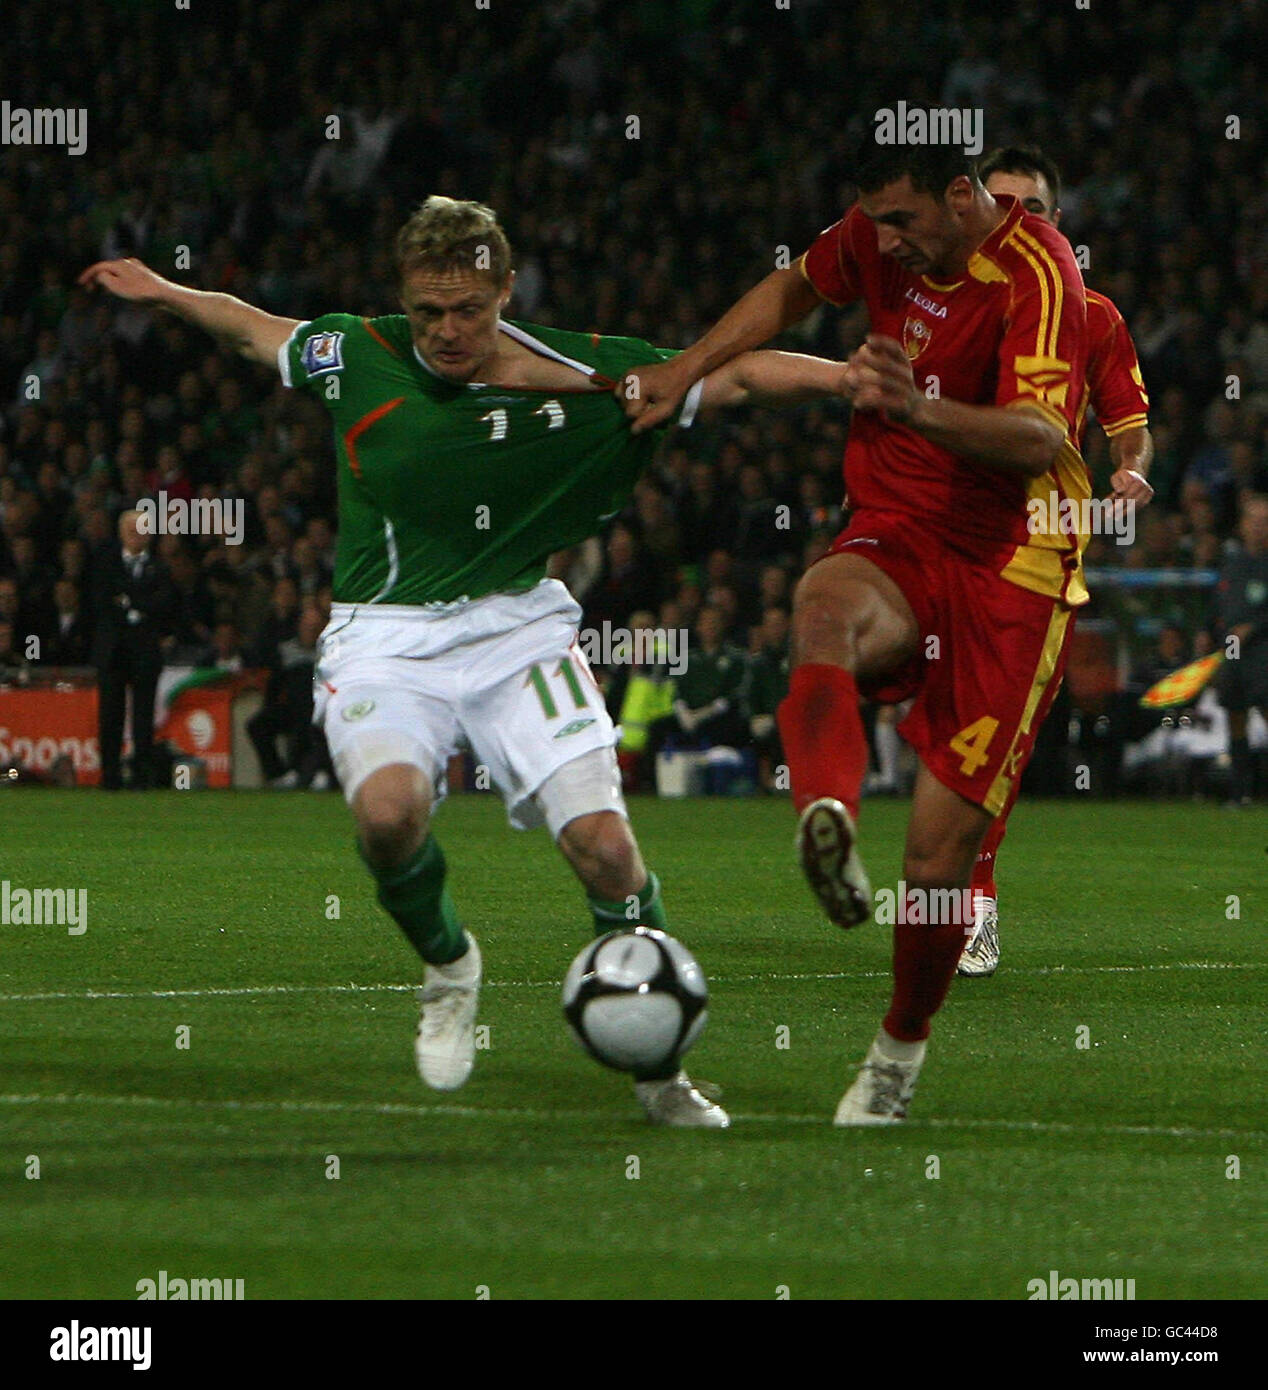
x=990, y=663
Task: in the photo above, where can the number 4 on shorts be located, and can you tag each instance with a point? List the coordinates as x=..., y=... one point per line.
x=972, y=743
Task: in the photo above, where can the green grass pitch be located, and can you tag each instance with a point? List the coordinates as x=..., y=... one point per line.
x=212, y=1161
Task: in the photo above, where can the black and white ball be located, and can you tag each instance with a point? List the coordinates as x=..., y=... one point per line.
x=635, y=1000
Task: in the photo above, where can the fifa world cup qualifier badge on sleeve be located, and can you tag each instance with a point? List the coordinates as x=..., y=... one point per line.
x=323, y=352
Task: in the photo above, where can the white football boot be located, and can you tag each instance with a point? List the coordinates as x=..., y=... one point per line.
x=444, y=1047
x=676, y=1102
x=882, y=1090
x=825, y=842
x=981, y=954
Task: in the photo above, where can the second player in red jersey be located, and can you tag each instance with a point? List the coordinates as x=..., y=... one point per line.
x=1114, y=389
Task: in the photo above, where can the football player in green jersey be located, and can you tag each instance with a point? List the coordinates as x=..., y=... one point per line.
x=469, y=448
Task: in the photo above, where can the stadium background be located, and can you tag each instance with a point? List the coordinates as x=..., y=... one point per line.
x=210, y=134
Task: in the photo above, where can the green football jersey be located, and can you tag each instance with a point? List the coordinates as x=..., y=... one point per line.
x=449, y=491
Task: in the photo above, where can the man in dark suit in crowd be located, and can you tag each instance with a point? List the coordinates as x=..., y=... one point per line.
x=70, y=635
x=288, y=712
x=134, y=608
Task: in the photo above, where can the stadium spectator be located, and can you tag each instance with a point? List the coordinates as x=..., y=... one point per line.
x=708, y=697
x=767, y=686
x=639, y=693
x=708, y=515
x=13, y=663
x=225, y=651
x=662, y=537
x=628, y=581
x=69, y=641
x=11, y=604
x=307, y=571
x=758, y=537
x=1243, y=615
x=280, y=626
x=134, y=607
x=195, y=608
x=34, y=580
x=287, y=714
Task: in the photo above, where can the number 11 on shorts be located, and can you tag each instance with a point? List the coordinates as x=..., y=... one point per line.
x=537, y=680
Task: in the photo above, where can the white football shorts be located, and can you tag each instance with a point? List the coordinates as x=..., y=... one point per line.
x=501, y=675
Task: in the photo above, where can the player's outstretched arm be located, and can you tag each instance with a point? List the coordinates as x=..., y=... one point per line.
x=251, y=332
x=651, y=394
x=774, y=378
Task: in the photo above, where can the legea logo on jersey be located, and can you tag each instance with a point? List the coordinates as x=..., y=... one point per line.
x=645, y=646
x=1073, y=517
x=197, y=516
x=931, y=125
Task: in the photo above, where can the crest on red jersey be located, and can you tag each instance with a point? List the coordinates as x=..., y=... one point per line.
x=916, y=336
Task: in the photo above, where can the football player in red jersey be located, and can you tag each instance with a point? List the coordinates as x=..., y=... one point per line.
x=966, y=398
x=1116, y=392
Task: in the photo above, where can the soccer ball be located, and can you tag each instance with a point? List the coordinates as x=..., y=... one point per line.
x=635, y=1000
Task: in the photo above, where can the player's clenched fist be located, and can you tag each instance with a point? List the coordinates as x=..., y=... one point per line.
x=1131, y=486
x=650, y=394
x=129, y=279
x=880, y=372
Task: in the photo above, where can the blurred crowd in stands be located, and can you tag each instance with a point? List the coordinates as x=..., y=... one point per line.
x=650, y=160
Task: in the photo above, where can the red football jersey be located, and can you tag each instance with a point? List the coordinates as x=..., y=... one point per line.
x=1011, y=332
x=1114, y=387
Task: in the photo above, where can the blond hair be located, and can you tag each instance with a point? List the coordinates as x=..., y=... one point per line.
x=451, y=234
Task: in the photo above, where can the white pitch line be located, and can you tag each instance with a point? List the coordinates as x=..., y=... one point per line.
x=212, y=992
x=513, y=1113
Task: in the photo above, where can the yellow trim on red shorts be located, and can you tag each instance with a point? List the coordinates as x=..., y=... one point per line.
x=1053, y=641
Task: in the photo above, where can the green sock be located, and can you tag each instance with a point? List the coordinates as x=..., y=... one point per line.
x=609, y=916
x=416, y=897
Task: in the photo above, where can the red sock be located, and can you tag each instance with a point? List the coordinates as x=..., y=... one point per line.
x=984, y=873
x=984, y=868
x=925, y=958
x=823, y=736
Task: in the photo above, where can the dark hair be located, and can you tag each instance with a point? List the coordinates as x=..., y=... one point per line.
x=1022, y=159
x=929, y=167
